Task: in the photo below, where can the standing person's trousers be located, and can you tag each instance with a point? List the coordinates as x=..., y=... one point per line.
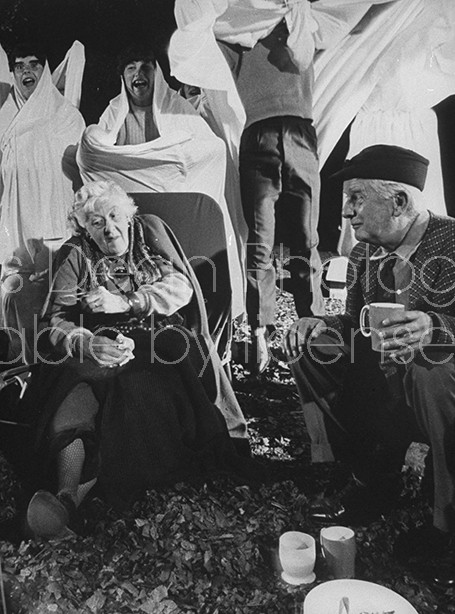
x=369, y=415
x=279, y=176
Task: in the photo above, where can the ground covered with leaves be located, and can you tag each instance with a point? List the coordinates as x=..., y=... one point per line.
x=210, y=547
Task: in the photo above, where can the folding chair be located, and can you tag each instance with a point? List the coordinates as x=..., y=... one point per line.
x=16, y=432
x=197, y=222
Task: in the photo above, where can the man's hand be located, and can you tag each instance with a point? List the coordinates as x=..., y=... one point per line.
x=406, y=333
x=300, y=333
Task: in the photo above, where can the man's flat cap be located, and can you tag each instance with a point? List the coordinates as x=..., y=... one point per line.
x=387, y=162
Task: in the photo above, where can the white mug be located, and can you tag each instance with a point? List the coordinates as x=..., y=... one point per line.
x=339, y=549
x=377, y=312
x=297, y=553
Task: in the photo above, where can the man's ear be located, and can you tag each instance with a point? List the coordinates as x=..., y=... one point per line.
x=400, y=202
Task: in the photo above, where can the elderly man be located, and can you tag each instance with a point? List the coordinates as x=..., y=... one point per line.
x=367, y=406
x=39, y=132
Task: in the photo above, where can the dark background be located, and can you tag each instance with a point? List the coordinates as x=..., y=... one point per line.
x=107, y=26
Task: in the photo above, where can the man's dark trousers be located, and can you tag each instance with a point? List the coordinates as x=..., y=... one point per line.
x=279, y=175
x=376, y=412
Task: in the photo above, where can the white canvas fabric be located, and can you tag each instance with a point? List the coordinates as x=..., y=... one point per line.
x=370, y=58
x=195, y=58
x=187, y=157
x=67, y=77
x=38, y=138
x=418, y=72
x=381, y=63
x=5, y=75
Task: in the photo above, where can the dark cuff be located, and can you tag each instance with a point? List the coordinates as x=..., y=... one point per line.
x=135, y=304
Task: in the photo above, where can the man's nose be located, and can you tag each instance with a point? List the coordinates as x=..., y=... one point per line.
x=347, y=210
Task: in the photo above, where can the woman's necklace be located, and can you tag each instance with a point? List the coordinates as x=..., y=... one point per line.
x=117, y=271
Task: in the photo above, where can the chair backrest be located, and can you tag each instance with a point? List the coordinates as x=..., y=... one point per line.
x=334, y=278
x=197, y=222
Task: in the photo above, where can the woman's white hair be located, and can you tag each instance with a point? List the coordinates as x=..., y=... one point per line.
x=97, y=192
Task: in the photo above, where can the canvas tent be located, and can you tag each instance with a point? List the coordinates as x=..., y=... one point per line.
x=381, y=63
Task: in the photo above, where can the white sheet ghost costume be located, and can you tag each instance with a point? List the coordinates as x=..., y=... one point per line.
x=38, y=141
x=186, y=157
x=418, y=73
x=373, y=59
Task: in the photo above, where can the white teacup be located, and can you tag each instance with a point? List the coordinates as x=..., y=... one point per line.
x=377, y=313
x=297, y=553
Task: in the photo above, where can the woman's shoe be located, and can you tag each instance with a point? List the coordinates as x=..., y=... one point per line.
x=47, y=517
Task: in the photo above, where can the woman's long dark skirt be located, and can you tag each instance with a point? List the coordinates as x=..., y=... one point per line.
x=157, y=422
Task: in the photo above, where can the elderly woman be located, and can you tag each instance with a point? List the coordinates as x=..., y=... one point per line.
x=134, y=380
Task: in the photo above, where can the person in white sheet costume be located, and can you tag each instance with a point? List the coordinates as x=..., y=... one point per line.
x=149, y=139
x=39, y=132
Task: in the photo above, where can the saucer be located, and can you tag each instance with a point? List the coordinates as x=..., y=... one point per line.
x=295, y=581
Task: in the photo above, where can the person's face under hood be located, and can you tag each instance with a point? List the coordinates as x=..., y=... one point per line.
x=27, y=73
x=139, y=76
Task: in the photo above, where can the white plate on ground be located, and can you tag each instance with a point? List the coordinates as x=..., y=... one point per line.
x=364, y=598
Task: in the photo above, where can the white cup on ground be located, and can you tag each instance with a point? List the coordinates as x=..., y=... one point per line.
x=377, y=313
x=297, y=552
x=339, y=549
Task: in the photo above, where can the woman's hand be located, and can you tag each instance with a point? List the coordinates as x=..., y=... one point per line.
x=101, y=300
x=108, y=352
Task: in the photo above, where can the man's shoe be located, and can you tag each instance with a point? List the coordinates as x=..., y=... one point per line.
x=358, y=504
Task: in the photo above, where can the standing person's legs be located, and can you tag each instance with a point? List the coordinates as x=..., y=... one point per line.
x=260, y=182
x=300, y=208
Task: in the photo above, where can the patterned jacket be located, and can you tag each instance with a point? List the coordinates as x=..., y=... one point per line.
x=432, y=287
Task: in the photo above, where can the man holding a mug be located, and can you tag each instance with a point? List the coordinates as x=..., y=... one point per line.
x=364, y=405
